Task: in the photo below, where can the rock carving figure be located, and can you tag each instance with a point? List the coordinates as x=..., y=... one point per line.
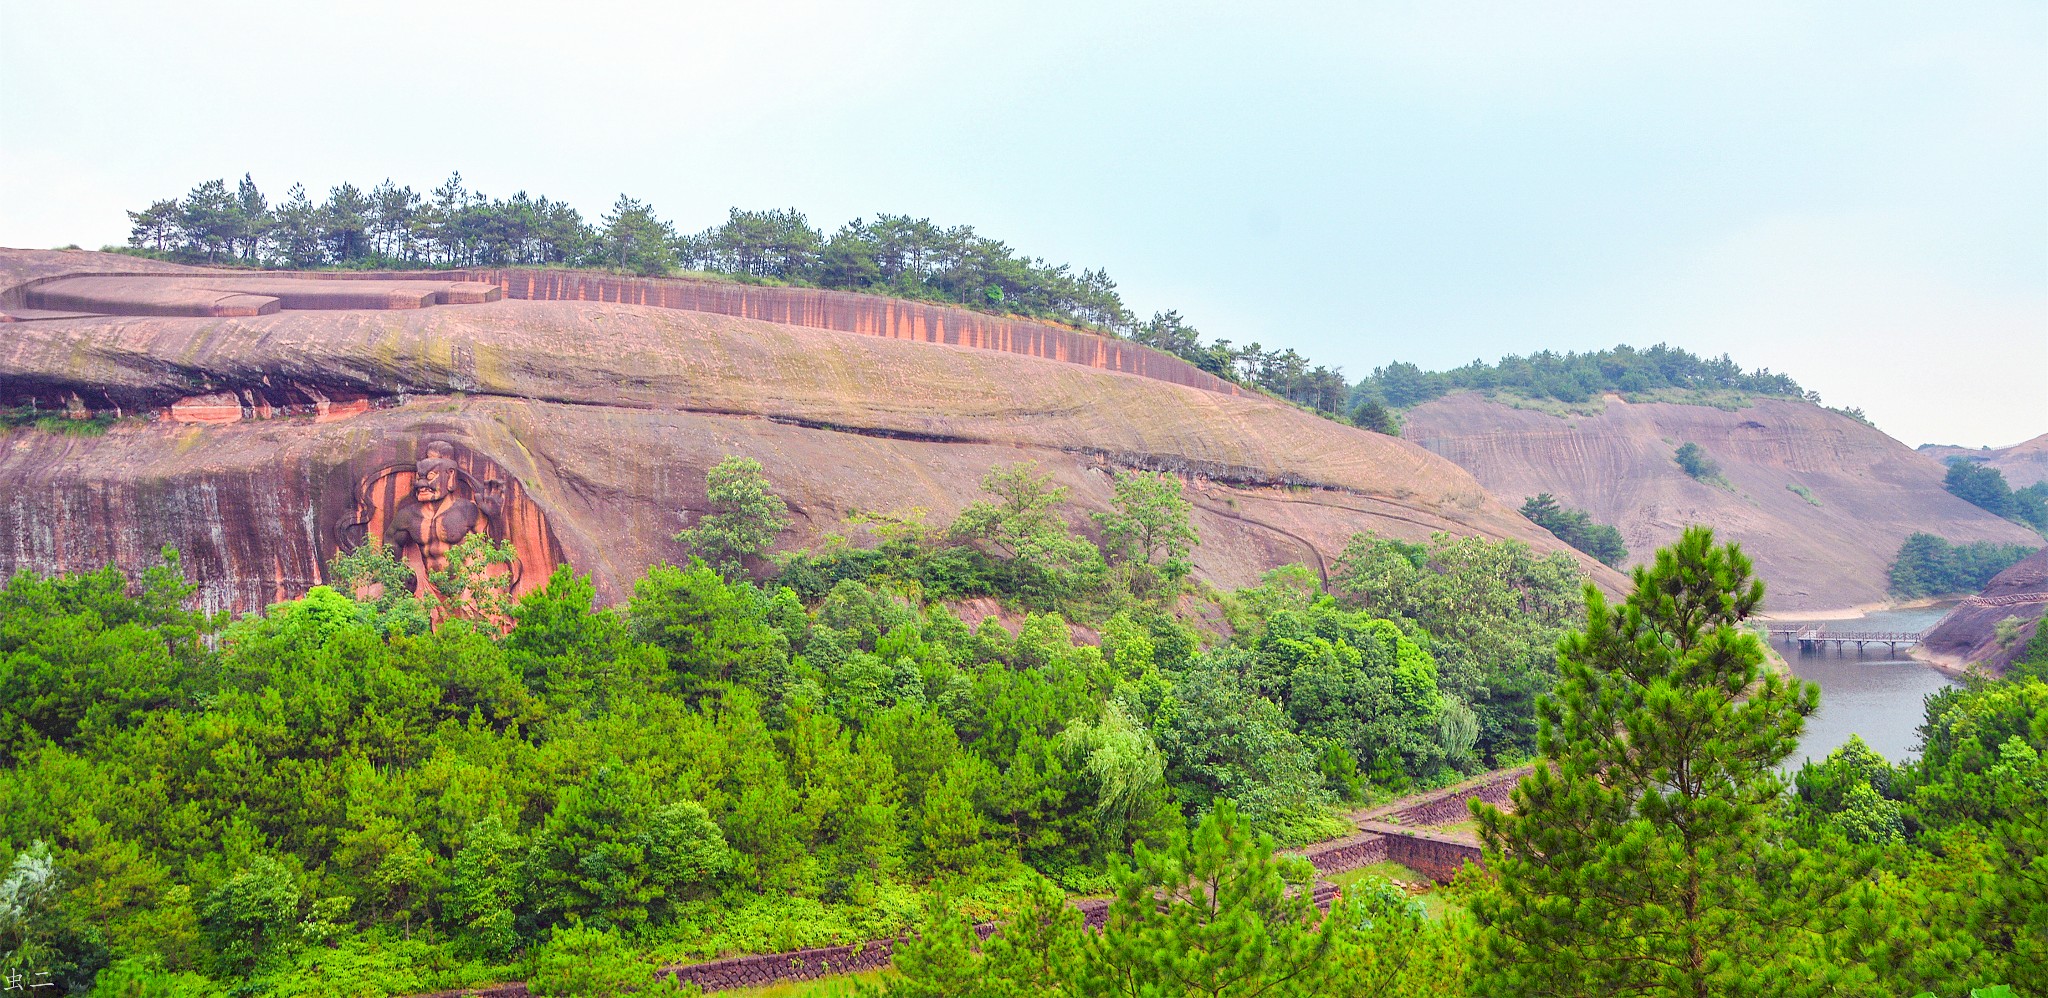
x=436, y=517
x=419, y=510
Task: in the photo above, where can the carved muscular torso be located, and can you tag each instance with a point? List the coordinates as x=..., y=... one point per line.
x=434, y=527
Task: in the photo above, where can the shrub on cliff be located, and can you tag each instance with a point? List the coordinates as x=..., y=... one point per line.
x=745, y=516
x=1576, y=528
x=1371, y=414
x=1693, y=460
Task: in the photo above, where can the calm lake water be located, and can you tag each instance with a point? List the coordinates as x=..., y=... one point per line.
x=1874, y=693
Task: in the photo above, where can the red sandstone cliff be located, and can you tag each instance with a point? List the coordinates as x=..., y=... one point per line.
x=1868, y=490
x=256, y=432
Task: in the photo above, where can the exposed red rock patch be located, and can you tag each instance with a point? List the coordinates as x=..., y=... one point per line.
x=243, y=295
x=220, y=407
x=1968, y=636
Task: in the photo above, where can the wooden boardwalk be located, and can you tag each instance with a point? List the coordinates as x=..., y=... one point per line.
x=1811, y=636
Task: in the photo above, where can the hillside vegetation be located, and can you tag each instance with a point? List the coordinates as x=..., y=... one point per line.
x=2022, y=464
x=1930, y=566
x=610, y=413
x=1660, y=374
x=328, y=797
x=1576, y=528
x=899, y=255
x=1984, y=487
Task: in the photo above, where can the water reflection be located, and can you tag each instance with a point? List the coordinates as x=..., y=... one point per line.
x=1873, y=693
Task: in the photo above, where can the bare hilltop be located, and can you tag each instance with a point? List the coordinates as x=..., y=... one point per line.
x=2023, y=463
x=1821, y=500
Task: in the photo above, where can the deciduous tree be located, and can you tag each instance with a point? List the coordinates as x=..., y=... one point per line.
x=745, y=516
x=1148, y=525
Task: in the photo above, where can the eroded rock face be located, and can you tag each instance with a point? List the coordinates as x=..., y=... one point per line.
x=1827, y=547
x=240, y=294
x=601, y=418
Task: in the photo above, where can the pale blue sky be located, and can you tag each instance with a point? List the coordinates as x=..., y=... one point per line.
x=1854, y=193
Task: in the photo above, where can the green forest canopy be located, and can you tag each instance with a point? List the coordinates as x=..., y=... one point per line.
x=1927, y=565
x=327, y=799
x=903, y=256
x=330, y=792
x=1579, y=377
x=1985, y=488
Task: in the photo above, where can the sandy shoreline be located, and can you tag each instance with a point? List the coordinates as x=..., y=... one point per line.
x=1947, y=665
x=1859, y=610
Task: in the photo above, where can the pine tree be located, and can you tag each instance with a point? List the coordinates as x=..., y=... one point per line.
x=1644, y=856
x=636, y=241
x=1216, y=913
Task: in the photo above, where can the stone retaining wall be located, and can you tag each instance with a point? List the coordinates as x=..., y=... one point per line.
x=810, y=964
x=1349, y=853
x=1436, y=856
x=1448, y=806
x=802, y=965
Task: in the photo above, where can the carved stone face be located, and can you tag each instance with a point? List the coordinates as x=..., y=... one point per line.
x=433, y=479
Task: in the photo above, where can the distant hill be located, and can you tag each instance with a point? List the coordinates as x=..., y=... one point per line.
x=2023, y=464
x=1822, y=501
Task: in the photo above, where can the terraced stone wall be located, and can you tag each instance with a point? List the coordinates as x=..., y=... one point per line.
x=1350, y=853
x=1449, y=807
x=810, y=964
x=1437, y=857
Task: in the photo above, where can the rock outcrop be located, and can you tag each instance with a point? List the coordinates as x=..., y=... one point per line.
x=1968, y=637
x=1820, y=501
x=248, y=440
